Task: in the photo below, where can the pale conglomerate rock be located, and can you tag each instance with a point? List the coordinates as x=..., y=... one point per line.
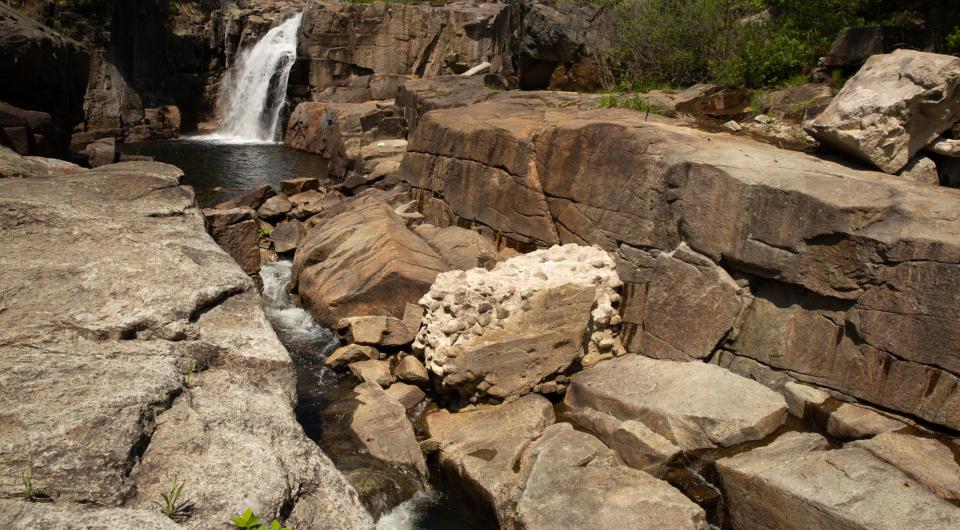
x=796, y=482
x=497, y=334
x=892, y=108
x=692, y=405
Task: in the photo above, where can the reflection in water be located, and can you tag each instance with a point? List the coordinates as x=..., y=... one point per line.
x=210, y=165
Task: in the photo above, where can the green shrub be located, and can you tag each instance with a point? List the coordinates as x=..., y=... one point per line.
x=629, y=101
x=953, y=41
x=251, y=521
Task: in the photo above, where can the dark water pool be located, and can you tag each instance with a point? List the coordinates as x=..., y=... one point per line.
x=218, y=169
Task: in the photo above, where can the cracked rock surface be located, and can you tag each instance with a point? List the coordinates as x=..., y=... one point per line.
x=109, y=290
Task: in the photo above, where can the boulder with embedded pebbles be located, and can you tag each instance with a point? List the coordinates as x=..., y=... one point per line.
x=497, y=334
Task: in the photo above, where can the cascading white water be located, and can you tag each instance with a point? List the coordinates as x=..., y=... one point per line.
x=254, y=91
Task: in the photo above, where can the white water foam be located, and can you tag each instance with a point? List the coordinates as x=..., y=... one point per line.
x=292, y=323
x=406, y=516
x=253, y=93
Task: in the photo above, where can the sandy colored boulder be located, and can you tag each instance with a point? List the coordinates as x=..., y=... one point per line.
x=572, y=480
x=241, y=241
x=373, y=372
x=251, y=198
x=921, y=169
x=292, y=187
x=799, y=397
x=692, y=405
x=637, y=444
x=852, y=422
x=795, y=483
x=411, y=370
x=376, y=331
x=351, y=353
x=463, y=249
x=274, y=208
x=926, y=460
x=286, y=236
x=892, y=108
x=407, y=395
x=363, y=261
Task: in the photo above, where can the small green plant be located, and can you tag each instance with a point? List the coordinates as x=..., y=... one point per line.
x=172, y=506
x=629, y=101
x=263, y=231
x=191, y=369
x=32, y=492
x=251, y=521
x=838, y=79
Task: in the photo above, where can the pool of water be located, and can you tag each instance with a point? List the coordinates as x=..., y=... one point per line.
x=217, y=168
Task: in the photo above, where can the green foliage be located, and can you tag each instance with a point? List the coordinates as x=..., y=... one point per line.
x=263, y=231
x=629, y=101
x=953, y=41
x=250, y=521
x=31, y=492
x=191, y=369
x=172, y=506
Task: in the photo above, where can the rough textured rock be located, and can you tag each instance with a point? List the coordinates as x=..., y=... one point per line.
x=101, y=152
x=858, y=291
x=411, y=370
x=852, y=422
x=286, y=236
x=921, y=169
x=925, y=460
x=799, y=397
x=680, y=285
x=299, y=185
x=112, y=419
x=417, y=97
x=15, y=514
x=350, y=353
x=274, y=207
x=407, y=395
x=796, y=483
x=693, y=405
x=362, y=261
x=252, y=198
x=378, y=331
x=481, y=448
x=497, y=334
x=572, y=480
x=373, y=371
x=44, y=71
x=893, y=107
x=637, y=444
x=341, y=47
x=463, y=249
x=241, y=241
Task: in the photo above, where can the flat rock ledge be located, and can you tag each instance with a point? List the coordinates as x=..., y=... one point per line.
x=134, y=352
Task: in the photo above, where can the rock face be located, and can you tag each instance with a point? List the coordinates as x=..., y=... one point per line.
x=895, y=105
x=850, y=300
x=572, y=480
x=44, y=71
x=796, y=482
x=337, y=275
x=692, y=405
x=103, y=352
x=498, y=334
x=481, y=448
x=342, y=54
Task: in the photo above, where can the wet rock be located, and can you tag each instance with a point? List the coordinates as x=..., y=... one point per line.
x=351, y=353
x=362, y=260
x=480, y=448
x=241, y=241
x=411, y=370
x=921, y=169
x=796, y=483
x=114, y=418
x=892, y=108
x=463, y=249
x=286, y=236
x=373, y=371
x=925, y=460
x=379, y=423
x=496, y=334
x=572, y=480
x=692, y=405
x=252, y=198
x=852, y=422
x=637, y=444
x=408, y=395
x=292, y=187
x=680, y=286
x=274, y=208
x=384, y=332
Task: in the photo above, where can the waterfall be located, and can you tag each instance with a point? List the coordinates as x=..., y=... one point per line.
x=254, y=91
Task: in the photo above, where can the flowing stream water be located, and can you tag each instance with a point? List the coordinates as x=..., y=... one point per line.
x=254, y=91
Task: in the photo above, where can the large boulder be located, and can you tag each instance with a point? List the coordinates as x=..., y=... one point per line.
x=363, y=261
x=159, y=363
x=851, y=299
x=895, y=105
x=498, y=334
x=481, y=448
x=693, y=405
x=572, y=480
x=926, y=460
x=369, y=424
x=463, y=249
x=796, y=482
